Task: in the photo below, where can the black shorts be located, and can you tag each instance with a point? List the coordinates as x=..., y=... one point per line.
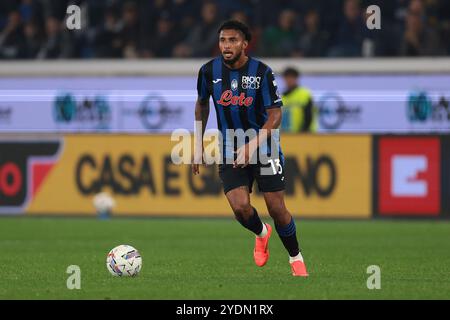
x=270, y=177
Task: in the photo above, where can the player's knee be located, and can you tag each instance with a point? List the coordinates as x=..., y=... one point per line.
x=243, y=211
x=277, y=209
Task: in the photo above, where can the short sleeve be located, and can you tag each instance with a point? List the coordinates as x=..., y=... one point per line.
x=202, y=88
x=270, y=93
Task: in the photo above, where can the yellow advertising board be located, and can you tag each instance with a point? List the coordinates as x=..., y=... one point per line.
x=326, y=176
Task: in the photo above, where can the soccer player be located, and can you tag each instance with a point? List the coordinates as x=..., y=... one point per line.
x=245, y=97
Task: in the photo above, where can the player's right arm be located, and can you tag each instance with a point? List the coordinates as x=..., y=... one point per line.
x=201, y=115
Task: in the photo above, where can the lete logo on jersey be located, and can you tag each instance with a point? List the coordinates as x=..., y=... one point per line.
x=227, y=98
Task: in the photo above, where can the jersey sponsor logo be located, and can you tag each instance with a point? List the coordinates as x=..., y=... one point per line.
x=250, y=82
x=227, y=98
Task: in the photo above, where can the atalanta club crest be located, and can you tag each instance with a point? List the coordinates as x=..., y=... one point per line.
x=234, y=84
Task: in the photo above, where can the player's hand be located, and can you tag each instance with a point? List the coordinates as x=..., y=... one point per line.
x=195, y=168
x=197, y=159
x=244, y=154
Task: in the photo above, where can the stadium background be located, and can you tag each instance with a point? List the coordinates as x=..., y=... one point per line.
x=132, y=106
x=92, y=110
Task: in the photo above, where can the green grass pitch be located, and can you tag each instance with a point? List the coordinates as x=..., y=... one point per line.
x=212, y=259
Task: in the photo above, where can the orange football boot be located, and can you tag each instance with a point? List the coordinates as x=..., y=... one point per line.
x=299, y=269
x=261, y=251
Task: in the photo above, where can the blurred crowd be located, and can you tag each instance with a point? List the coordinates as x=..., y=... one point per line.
x=36, y=29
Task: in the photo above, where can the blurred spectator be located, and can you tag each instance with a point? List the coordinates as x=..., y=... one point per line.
x=107, y=42
x=418, y=38
x=29, y=10
x=299, y=112
x=241, y=16
x=348, y=42
x=280, y=41
x=129, y=39
x=58, y=44
x=202, y=40
x=401, y=10
x=164, y=38
x=188, y=28
x=184, y=13
x=314, y=41
x=444, y=19
x=268, y=11
x=32, y=41
x=12, y=37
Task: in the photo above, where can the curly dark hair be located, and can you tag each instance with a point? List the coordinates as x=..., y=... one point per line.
x=236, y=25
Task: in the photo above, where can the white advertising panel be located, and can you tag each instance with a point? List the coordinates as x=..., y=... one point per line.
x=345, y=103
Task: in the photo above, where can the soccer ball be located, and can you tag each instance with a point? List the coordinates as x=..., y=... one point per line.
x=124, y=260
x=103, y=203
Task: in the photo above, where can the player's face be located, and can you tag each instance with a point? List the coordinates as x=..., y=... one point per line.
x=232, y=44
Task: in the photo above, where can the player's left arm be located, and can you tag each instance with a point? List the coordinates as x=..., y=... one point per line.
x=273, y=122
x=272, y=103
x=201, y=116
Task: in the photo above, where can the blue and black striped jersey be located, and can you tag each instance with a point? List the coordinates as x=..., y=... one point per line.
x=241, y=96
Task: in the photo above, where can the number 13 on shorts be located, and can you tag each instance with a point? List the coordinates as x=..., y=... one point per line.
x=276, y=166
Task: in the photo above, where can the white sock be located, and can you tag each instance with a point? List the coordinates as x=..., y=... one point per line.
x=263, y=232
x=298, y=257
